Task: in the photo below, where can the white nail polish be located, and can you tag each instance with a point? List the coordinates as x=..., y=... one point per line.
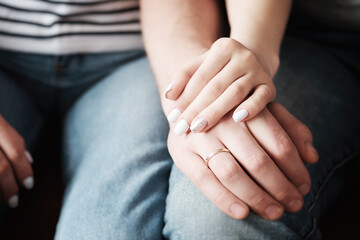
x=181, y=127
x=13, y=201
x=173, y=116
x=240, y=115
x=198, y=125
x=28, y=156
x=28, y=183
x=168, y=88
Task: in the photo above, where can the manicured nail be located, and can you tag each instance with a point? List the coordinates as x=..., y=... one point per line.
x=181, y=127
x=304, y=189
x=13, y=201
x=198, y=125
x=295, y=204
x=29, y=157
x=237, y=210
x=273, y=211
x=173, y=116
x=28, y=183
x=310, y=147
x=168, y=89
x=240, y=115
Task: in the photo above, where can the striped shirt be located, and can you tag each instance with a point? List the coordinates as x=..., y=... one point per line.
x=69, y=26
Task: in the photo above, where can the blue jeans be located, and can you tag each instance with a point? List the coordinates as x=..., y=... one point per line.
x=120, y=180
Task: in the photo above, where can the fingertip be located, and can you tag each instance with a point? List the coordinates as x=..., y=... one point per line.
x=240, y=115
x=238, y=211
x=313, y=155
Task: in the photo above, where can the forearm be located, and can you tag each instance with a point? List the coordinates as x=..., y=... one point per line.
x=176, y=32
x=260, y=26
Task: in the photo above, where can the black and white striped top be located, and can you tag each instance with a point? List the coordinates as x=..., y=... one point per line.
x=69, y=26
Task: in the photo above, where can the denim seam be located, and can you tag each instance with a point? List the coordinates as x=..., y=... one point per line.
x=322, y=186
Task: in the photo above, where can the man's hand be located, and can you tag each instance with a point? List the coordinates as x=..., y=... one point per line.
x=263, y=170
x=15, y=163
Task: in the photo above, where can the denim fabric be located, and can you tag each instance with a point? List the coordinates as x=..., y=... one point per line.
x=121, y=183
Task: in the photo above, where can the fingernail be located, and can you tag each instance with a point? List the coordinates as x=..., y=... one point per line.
x=181, y=127
x=13, y=201
x=29, y=157
x=198, y=125
x=240, y=115
x=273, y=212
x=237, y=210
x=295, y=204
x=173, y=116
x=304, y=189
x=310, y=147
x=168, y=89
x=28, y=183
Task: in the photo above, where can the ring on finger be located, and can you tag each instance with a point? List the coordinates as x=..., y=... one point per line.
x=207, y=159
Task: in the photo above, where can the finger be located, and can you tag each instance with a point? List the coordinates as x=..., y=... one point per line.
x=233, y=177
x=195, y=169
x=299, y=133
x=220, y=95
x=260, y=167
x=231, y=97
x=281, y=149
x=212, y=65
x=181, y=78
x=257, y=101
x=13, y=146
x=9, y=188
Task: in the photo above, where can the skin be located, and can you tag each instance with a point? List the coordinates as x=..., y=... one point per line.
x=273, y=157
x=14, y=164
x=237, y=69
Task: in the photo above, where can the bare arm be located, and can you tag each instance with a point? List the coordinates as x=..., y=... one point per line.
x=176, y=32
x=259, y=25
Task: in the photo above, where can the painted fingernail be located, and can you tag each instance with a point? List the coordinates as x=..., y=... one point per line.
x=181, y=127
x=198, y=125
x=28, y=183
x=173, y=116
x=29, y=157
x=237, y=210
x=13, y=201
x=295, y=204
x=304, y=189
x=240, y=115
x=168, y=89
x=273, y=212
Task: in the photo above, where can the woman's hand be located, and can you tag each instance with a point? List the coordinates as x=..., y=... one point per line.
x=227, y=75
x=15, y=163
x=264, y=170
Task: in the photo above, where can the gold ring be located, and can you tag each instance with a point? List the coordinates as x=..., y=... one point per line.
x=207, y=159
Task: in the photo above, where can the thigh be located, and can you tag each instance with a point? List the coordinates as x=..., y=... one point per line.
x=318, y=89
x=116, y=161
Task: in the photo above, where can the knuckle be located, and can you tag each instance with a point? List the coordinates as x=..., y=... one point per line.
x=257, y=163
x=225, y=170
x=283, y=194
x=285, y=150
x=248, y=56
x=216, y=88
x=224, y=42
x=268, y=93
x=238, y=91
x=219, y=198
x=257, y=200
